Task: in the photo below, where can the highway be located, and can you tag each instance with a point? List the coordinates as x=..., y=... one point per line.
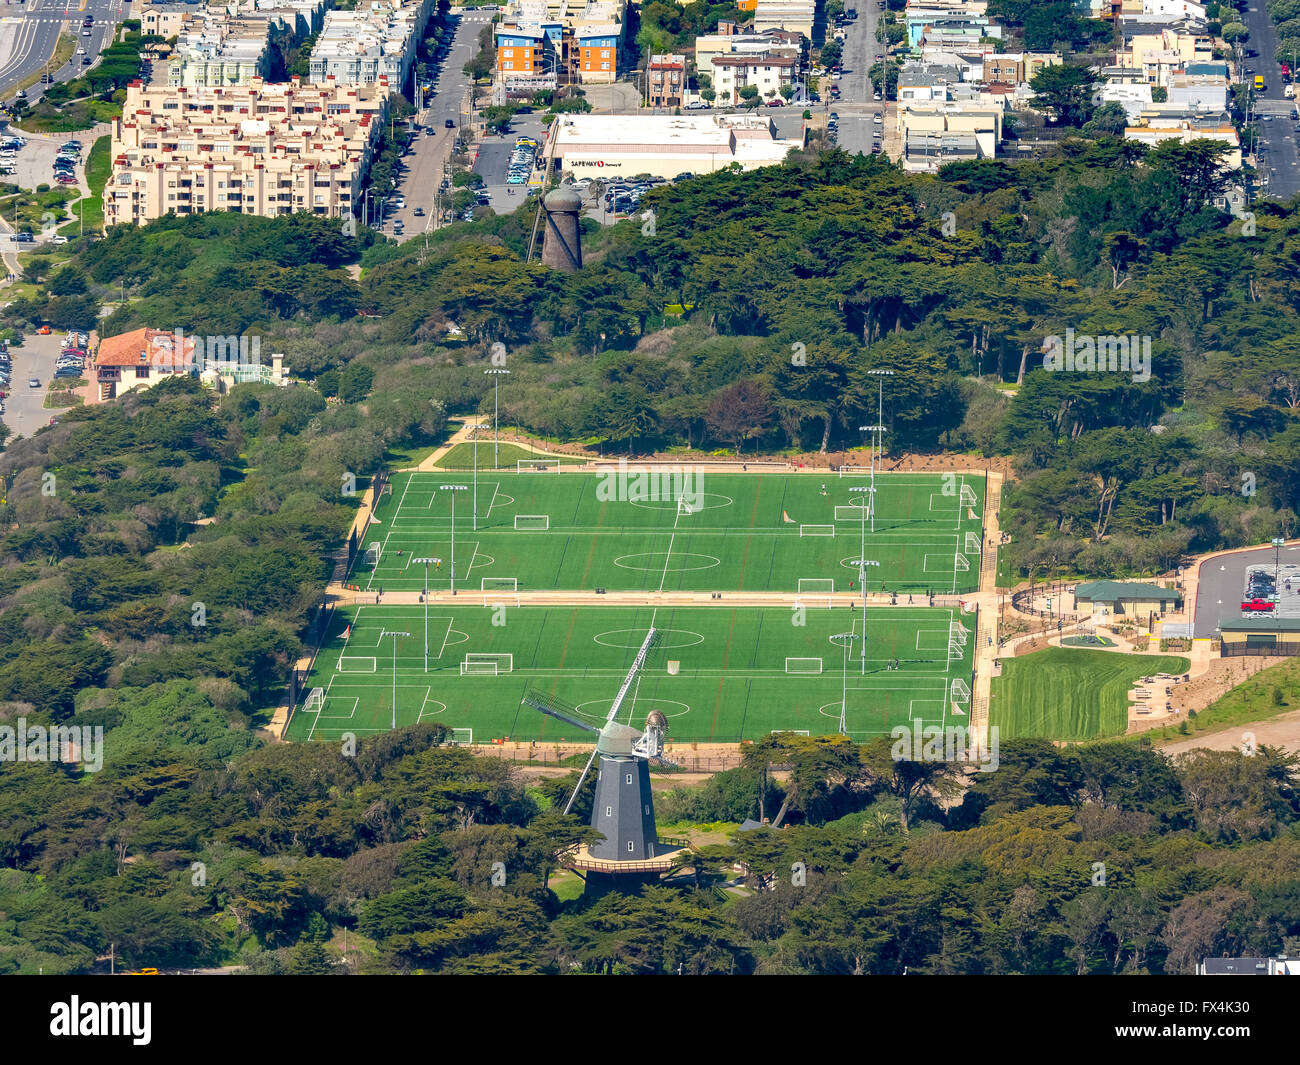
x=30, y=30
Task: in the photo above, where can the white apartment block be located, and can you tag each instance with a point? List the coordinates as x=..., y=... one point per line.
x=376, y=41
x=167, y=19
x=264, y=149
x=768, y=73
x=214, y=50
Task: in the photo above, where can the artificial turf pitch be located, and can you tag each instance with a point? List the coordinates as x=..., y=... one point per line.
x=756, y=532
x=732, y=681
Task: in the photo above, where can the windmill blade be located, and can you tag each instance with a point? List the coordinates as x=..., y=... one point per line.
x=652, y=637
x=581, y=777
x=660, y=760
x=556, y=708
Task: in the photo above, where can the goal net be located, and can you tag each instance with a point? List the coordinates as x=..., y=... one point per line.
x=816, y=530
x=852, y=512
x=973, y=544
x=790, y=731
x=960, y=562
x=684, y=507
x=967, y=496
x=486, y=665
x=315, y=700
x=537, y=466
x=849, y=470
x=960, y=691
x=532, y=522
x=957, y=635
x=462, y=735
x=499, y=584
x=803, y=665
x=373, y=553
x=816, y=585
x=356, y=664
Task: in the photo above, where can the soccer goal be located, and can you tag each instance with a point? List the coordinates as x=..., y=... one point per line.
x=315, y=700
x=816, y=585
x=849, y=470
x=957, y=635
x=537, y=466
x=486, y=665
x=373, y=554
x=803, y=665
x=532, y=522
x=960, y=690
x=816, y=530
x=852, y=512
x=684, y=507
x=499, y=584
x=791, y=731
x=967, y=496
x=973, y=543
x=356, y=664
x=462, y=735
x=960, y=563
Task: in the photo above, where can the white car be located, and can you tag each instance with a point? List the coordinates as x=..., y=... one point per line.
x=58, y=238
x=81, y=51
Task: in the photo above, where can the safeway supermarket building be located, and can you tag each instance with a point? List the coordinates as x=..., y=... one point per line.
x=615, y=146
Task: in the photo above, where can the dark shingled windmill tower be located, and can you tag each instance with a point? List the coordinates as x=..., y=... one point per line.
x=562, y=245
x=623, y=810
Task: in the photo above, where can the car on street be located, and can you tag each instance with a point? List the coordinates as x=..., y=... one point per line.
x=419, y=212
x=450, y=123
x=33, y=382
x=25, y=238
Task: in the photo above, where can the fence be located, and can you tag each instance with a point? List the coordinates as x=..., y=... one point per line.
x=1281, y=649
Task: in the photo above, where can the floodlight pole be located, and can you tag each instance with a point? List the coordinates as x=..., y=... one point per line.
x=475, y=432
x=394, y=635
x=873, y=429
x=426, y=562
x=1277, y=561
x=845, y=639
x=453, y=489
x=497, y=374
x=863, y=563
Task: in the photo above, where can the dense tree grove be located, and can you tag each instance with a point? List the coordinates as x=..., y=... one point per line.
x=396, y=845
x=161, y=558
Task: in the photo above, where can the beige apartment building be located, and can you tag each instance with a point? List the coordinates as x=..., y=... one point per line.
x=257, y=149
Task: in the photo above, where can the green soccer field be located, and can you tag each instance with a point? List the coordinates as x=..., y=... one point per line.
x=740, y=672
x=630, y=532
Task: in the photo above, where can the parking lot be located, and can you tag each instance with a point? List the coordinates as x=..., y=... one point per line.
x=25, y=410
x=1224, y=581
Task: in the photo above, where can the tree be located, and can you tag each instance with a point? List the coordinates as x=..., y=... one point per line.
x=1110, y=119
x=355, y=382
x=1065, y=92
x=912, y=781
x=739, y=412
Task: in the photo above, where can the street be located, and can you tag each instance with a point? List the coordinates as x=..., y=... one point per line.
x=29, y=32
x=1279, y=168
x=855, y=106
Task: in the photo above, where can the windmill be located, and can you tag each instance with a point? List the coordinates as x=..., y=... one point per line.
x=623, y=810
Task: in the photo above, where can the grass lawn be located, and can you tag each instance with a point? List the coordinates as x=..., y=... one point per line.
x=740, y=672
x=625, y=531
x=461, y=457
x=1067, y=694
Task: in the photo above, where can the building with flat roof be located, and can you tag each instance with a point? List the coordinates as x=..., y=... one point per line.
x=264, y=149
x=213, y=50
x=376, y=41
x=614, y=146
x=666, y=80
x=167, y=18
x=795, y=15
x=935, y=133
x=775, y=74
